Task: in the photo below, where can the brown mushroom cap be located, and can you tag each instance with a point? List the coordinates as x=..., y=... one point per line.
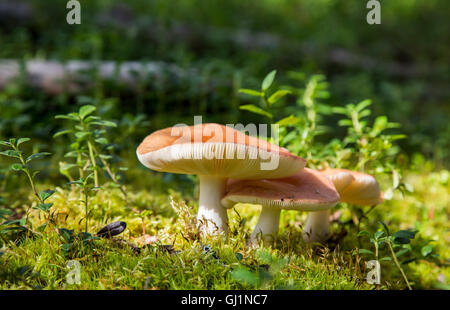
x=341, y=178
x=307, y=190
x=215, y=150
x=355, y=187
x=364, y=191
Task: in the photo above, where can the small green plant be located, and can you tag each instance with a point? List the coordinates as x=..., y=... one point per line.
x=299, y=124
x=371, y=149
x=23, y=165
x=269, y=103
x=398, y=245
x=86, y=188
x=88, y=148
x=259, y=274
x=309, y=111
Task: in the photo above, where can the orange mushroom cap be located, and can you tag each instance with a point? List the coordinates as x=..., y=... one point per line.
x=355, y=187
x=215, y=150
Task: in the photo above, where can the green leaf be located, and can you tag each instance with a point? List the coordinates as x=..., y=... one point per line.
x=70, y=116
x=387, y=258
x=5, y=143
x=339, y=110
x=345, y=122
x=44, y=195
x=426, y=250
x=239, y=256
x=105, y=157
x=288, y=121
x=11, y=153
x=22, y=140
x=378, y=234
x=268, y=80
x=405, y=262
x=409, y=234
x=91, y=119
x=363, y=233
x=43, y=206
x=402, y=252
x=86, y=110
x=101, y=140
x=82, y=134
x=363, y=104
x=385, y=227
x=20, y=222
x=104, y=123
x=63, y=132
x=400, y=240
x=251, y=92
x=365, y=251
x=17, y=167
x=254, y=109
x=37, y=156
x=77, y=182
x=278, y=95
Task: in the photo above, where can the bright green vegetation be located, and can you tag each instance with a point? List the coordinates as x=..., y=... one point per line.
x=41, y=262
x=68, y=165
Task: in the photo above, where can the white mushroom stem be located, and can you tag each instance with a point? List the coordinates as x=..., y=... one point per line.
x=211, y=215
x=267, y=225
x=317, y=226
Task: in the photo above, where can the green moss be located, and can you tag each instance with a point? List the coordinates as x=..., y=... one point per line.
x=41, y=262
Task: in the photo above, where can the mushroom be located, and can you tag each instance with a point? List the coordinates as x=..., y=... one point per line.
x=307, y=190
x=215, y=152
x=363, y=189
x=353, y=187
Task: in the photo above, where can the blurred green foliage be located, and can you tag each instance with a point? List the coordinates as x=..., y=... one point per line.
x=225, y=44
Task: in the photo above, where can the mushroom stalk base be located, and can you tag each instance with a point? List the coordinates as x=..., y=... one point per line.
x=267, y=226
x=212, y=217
x=317, y=226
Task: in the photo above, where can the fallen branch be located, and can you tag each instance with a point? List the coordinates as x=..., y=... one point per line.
x=74, y=76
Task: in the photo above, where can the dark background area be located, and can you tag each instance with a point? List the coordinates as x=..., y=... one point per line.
x=217, y=47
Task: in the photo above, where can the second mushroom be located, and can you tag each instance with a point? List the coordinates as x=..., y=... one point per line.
x=307, y=190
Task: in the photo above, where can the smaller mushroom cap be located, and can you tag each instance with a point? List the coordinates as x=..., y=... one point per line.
x=364, y=190
x=341, y=178
x=307, y=190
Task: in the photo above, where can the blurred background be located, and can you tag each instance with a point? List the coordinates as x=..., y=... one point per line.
x=199, y=53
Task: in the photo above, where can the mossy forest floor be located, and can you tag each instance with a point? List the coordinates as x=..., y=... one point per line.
x=162, y=214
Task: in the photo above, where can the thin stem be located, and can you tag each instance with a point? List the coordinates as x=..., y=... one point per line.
x=93, y=162
x=112, y=175
x=398, y=265
x=79, y=161
x=30, y=179
x=86, y=207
